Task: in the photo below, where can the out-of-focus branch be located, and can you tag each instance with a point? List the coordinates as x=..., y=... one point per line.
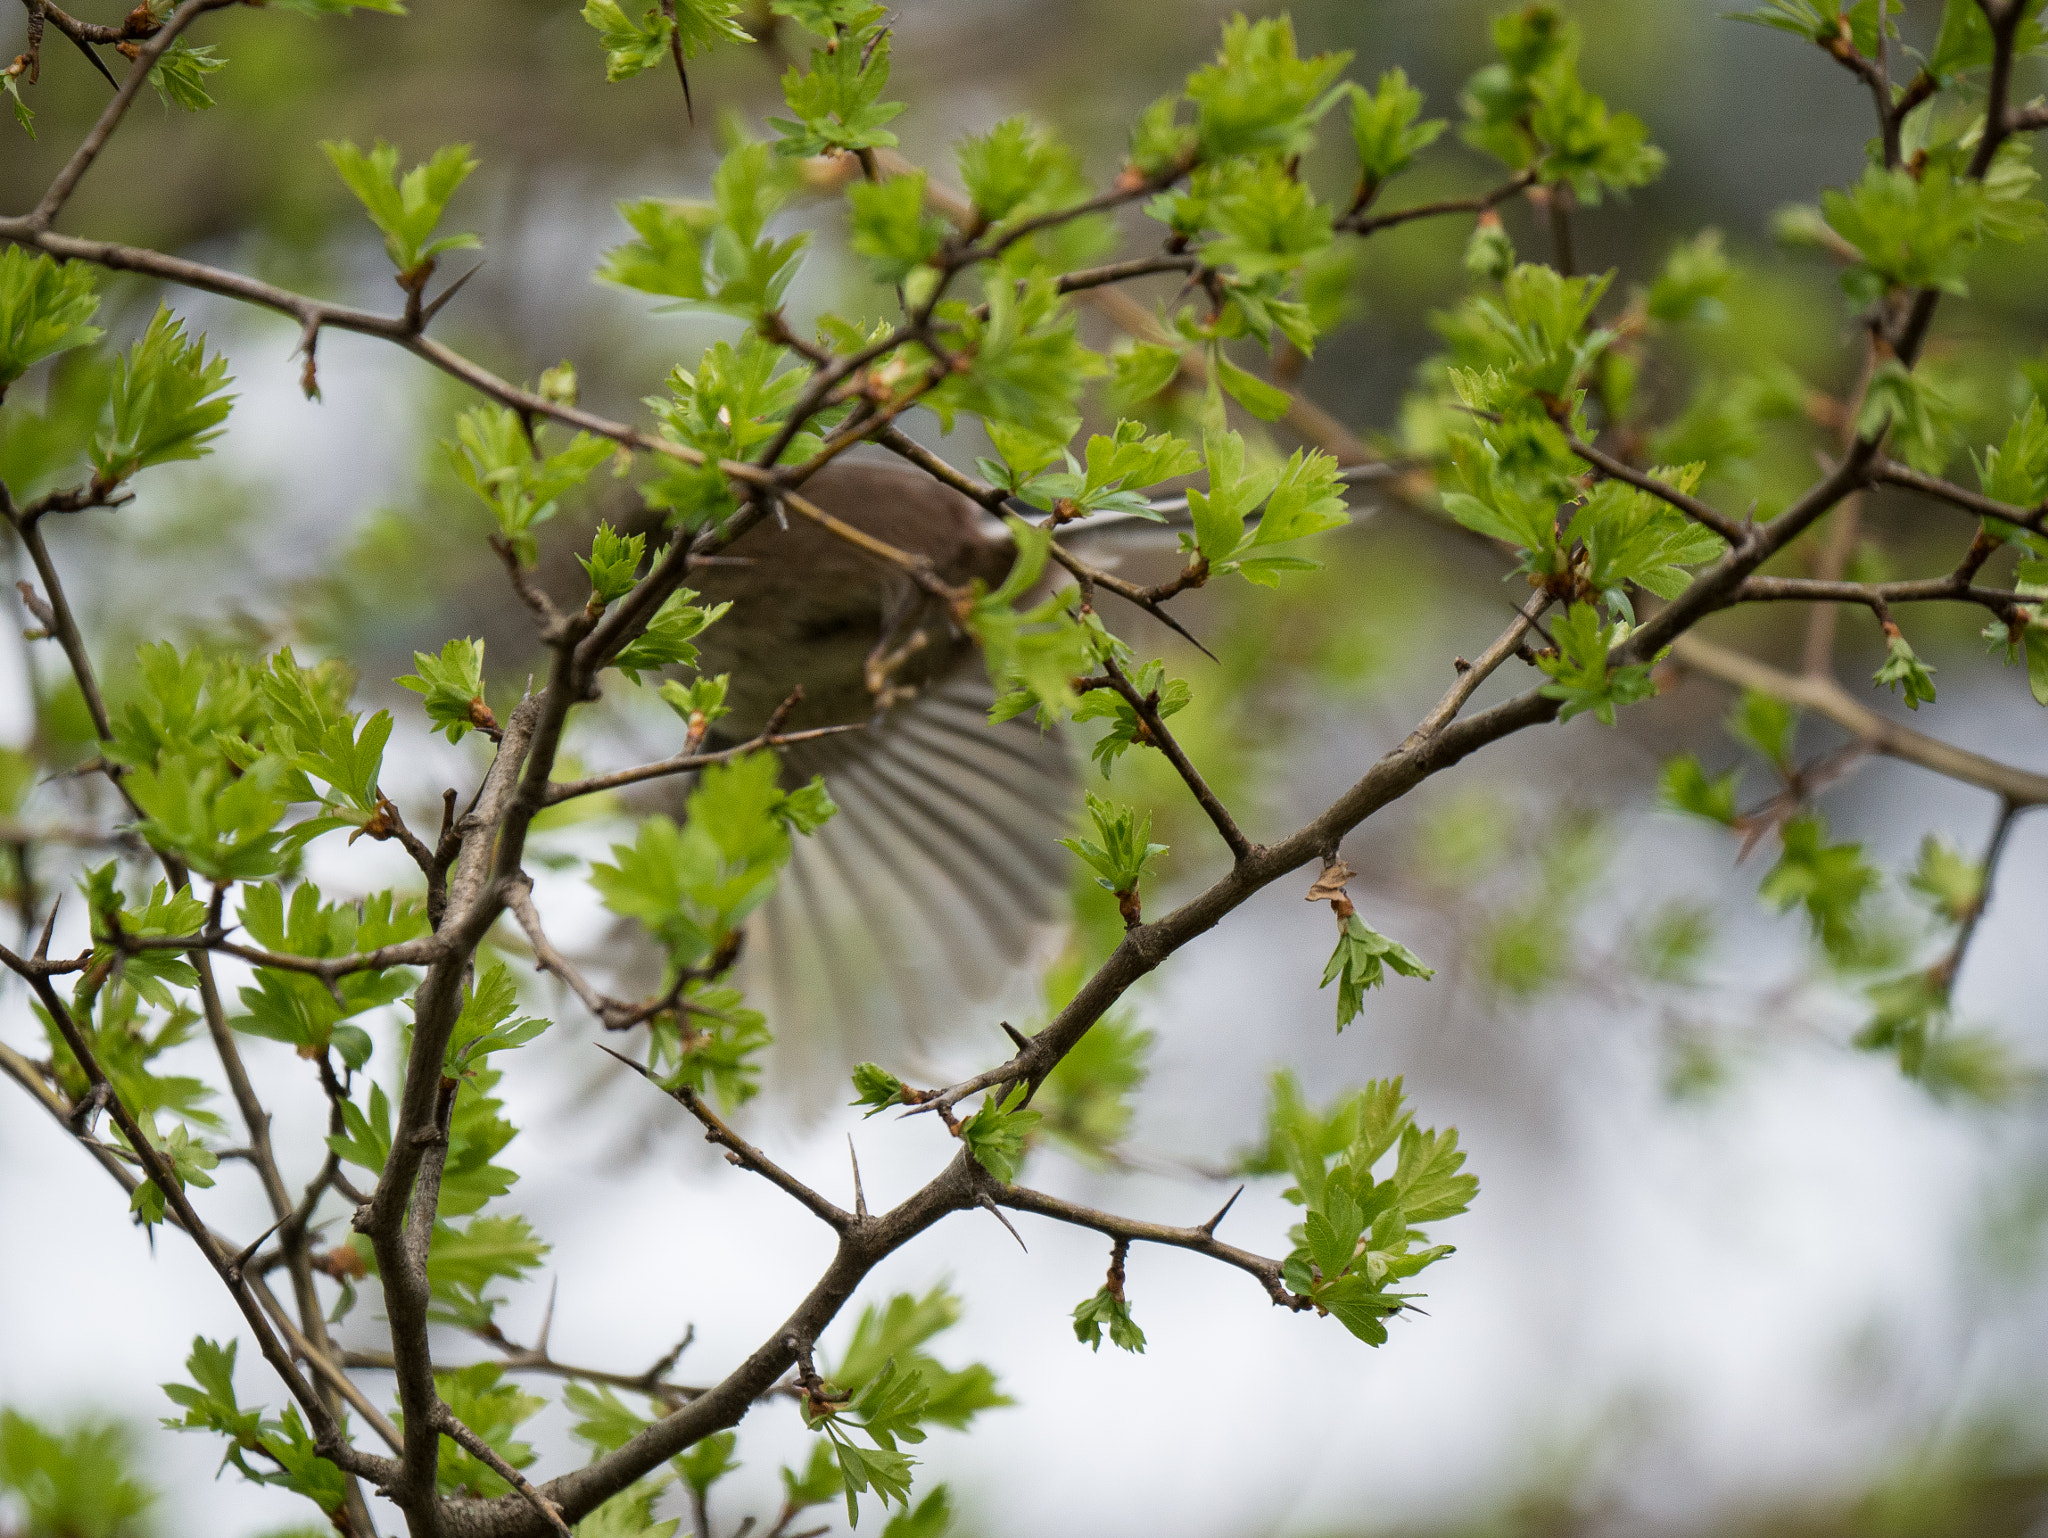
x=1828, y=699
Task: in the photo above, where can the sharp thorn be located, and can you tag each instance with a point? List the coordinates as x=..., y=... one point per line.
x=447, y=294
x=49, y=925
x=547, y=1319
x=249, y=1253
x=636, y=1067
x=98, y=63
x=992, y=1207
x=860, y=1198
x=1209, y=1227
x=1023, y=1042
x=1158, y=612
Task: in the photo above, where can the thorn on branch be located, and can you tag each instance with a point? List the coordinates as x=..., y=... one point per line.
x=1209, y=1227
x=430, y=311
x=989, y=1203
x=42, y=613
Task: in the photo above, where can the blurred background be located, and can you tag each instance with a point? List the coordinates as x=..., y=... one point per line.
x=1724, y=1273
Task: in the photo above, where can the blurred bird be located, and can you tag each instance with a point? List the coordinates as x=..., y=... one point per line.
x=941, y=877
x=940, y=874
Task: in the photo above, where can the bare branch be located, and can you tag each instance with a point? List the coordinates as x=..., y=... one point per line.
x=745, y=1155
x=1156, y=732
x=1693, y=508
x=1201, y=1239
x=1826, y=698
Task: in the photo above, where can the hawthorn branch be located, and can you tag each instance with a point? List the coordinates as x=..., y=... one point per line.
x=745, y=1155
x=1828, y=699
x=688, y=763
x=1200, y=1239
x=333, y=1445
x=1147, y=708
x=1476, y=673
x=110, y=117
x=1892, y=473
x=1616, y=470
x=1359, y=222
x=1950, y=965
x=452, y=1426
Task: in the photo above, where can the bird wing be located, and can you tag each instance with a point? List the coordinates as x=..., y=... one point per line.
x=927, y=895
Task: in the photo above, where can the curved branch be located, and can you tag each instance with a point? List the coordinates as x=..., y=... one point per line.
x=1828, y=699
x=1693, y=508
x=1201, y=1239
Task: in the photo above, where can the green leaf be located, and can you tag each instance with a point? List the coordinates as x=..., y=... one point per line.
x=453, y=686
x=406, y=209
x=1829, y=880
x=629, y=1514
x=1904, y=672
x=1691, y=288
x=876, y=1088
x=692, y=885
x=709, y=1461
x=1924, y=418
x=1686, y=787
x=1950, y=882
x=221, y=824
x=2017, y=471
x=1169, y=696
x=666, y=642
x=613, y=565
x=1026, y=366
x=180, y=75
x=1489, y=253
x=45, y=309
x=23, y=113
x=81, y=1480
x=487, y=1022
x=632, y=46
x=604, y=1422
x=932, y=1518
x=836, y=103
x=1124, y=854
x=1579, y=670
x=1767, y=724
x=1261, y=97
x=1633, y=536
x=1107, y=1311
x=1359, y=963
x=1267, y=402
x=1385, y=128
x=891, y=228
x=167, y=403
x=1537, y=332
x=462, y=1263
x=188, y=1160
x=495, y=456
x=1143, y=370
x=1033, y=655
x=1911, y=231
x=996, y=1133
x=732, y=405
x=1015, y=168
